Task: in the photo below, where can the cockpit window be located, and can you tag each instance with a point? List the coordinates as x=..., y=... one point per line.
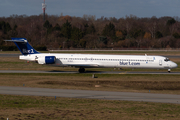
x=166, y=59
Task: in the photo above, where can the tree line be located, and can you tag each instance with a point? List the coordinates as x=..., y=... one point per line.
x=87, y=32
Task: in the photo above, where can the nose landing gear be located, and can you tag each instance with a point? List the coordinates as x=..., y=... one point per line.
x=169, y=70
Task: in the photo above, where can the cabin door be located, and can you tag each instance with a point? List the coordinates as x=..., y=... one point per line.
x=160, y=62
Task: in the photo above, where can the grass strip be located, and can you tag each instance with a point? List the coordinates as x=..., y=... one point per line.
x=42, y=108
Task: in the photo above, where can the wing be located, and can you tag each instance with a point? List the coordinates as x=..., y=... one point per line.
x=84, y=65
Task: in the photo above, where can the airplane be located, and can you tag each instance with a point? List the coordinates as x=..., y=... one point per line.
x=83, y=61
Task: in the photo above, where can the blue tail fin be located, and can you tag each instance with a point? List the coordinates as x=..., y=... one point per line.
x=23, y=46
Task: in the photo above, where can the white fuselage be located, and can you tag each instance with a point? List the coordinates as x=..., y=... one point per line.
x=111, y=61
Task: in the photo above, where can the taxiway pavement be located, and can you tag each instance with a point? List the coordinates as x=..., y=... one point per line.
x=128, y=96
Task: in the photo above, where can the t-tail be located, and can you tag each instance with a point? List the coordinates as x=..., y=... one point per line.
x=23, y=46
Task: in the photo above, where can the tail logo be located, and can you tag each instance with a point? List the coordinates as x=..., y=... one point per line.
x=28, y=51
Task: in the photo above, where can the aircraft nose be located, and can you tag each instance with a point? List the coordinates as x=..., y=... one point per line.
x=174, y=65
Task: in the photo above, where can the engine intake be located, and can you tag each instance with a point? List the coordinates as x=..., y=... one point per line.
x=47, y=60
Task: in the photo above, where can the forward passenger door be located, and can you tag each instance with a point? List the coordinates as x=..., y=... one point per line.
x=160, y=62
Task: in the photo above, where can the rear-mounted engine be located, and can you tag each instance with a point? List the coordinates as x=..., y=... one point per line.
x=46, y=60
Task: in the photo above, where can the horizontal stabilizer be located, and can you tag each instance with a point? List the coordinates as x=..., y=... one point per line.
x=16, y=40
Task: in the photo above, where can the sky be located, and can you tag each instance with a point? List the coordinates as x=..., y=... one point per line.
x=99, y=8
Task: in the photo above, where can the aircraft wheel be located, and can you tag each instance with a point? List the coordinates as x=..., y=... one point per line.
x=169, y=70
x=81, y=70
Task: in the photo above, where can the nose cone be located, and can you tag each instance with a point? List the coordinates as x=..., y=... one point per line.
x=173, y=65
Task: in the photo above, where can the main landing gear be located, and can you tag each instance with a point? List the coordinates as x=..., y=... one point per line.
x=81, y=70
x=169, y=70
